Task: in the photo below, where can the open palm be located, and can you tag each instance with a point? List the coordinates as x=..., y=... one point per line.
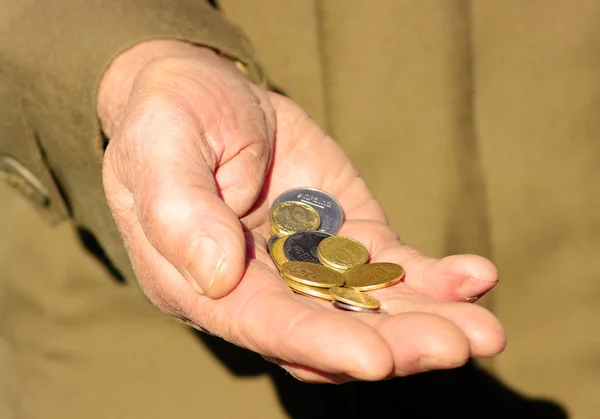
x=190, y=178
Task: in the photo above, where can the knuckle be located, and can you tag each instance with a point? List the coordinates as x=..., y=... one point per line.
x=162, y=213
x=147, y=115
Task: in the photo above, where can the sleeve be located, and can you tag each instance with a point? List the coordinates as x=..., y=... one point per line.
x=52, y=57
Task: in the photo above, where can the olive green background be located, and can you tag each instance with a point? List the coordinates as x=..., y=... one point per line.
x=475, y=122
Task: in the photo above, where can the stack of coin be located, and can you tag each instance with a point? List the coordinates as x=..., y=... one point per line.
x=315, y=262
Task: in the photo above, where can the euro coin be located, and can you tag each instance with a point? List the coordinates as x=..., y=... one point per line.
x=277, y=253
x=354, y=298
x=348, y=307
x=302, y=246
x=322, y=293
x=329, y=209
x=290, y=217
x=342, y=252
x=373, y=276
x=311, y=274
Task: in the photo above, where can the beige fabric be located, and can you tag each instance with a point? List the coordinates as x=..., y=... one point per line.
x=476, y=123
x=537, y=107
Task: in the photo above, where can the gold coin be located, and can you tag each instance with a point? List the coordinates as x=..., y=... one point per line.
x=373, y=276
x=342, y=252
x=340, y=269
x=322, y=293
x=274, y=230
x=353, y=297
x=290, y=217
x=277, y=253
x=312, y=274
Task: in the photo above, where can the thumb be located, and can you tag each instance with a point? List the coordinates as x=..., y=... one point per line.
x=167, y=163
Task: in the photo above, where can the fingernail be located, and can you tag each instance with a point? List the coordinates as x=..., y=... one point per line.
x=471, y=289
x=205, y=262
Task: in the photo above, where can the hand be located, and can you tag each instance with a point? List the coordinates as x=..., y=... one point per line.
x=192, y=167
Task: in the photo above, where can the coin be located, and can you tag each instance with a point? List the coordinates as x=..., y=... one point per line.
x=348, y=307
x=373, y=276
x=272, y=240
x=322, y=293
x=275, y=231
x=302, y=246
x=342, y=252
x=354, y=298
x=277, y=253
x=340, y=270
x=329, y=209
x=290, y=217
x=311, y=274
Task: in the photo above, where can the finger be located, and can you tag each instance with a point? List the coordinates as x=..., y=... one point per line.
x=422, y=342
x=161, y=282
x=177, y=199
x=453, y=278
x=483, y=331
x=456, y=278
x=419, y=342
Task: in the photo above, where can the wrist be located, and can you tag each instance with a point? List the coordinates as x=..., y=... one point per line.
x=117, y=81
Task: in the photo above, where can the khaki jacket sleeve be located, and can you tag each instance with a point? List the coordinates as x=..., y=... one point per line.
x=52, y=57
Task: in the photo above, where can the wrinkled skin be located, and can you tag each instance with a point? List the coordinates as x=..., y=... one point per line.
x=190, y=172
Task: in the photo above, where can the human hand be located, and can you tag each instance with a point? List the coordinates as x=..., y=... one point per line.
x=191, y=169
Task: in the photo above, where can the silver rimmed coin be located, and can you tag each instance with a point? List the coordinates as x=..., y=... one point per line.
x=302, y=246
x=348, y=307
x=329, y=209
